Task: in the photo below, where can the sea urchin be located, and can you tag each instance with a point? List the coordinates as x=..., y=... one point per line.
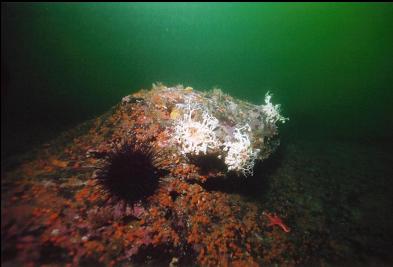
x=130, y=172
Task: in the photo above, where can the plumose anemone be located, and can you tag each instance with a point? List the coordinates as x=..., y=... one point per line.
x=131, y=172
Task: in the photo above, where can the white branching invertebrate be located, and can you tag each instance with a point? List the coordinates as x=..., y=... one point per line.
x=195, y=136
x=272, y=111
x=197, y=131
x=241, y=157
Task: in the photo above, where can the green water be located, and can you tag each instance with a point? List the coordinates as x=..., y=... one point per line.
x=329, y=65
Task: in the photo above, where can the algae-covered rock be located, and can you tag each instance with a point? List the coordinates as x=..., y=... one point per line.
x=216, y=124
x=131, y=186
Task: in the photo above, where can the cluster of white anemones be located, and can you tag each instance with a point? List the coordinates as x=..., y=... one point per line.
x=271, y=111
x=241, y=156
x=195, y=136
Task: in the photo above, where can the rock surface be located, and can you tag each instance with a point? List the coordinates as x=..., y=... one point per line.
x=55, y=210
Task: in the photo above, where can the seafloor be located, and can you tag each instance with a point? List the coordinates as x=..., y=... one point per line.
x=336, y=198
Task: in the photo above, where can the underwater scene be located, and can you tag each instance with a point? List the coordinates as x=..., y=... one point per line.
x=196, y=134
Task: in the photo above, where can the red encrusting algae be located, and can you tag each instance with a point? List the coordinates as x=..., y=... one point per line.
x=56, y=213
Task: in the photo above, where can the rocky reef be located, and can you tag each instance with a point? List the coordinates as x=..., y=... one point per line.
x=173, y=177
x=129, y=186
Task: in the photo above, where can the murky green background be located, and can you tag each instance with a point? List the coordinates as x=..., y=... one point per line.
x=329, y=65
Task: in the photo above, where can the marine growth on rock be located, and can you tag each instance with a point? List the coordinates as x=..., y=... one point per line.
x=130, y=187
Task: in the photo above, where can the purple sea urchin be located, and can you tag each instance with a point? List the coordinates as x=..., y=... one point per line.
x=130, y=172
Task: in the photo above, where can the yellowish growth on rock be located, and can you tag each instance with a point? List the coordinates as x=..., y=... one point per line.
x=175, y=114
